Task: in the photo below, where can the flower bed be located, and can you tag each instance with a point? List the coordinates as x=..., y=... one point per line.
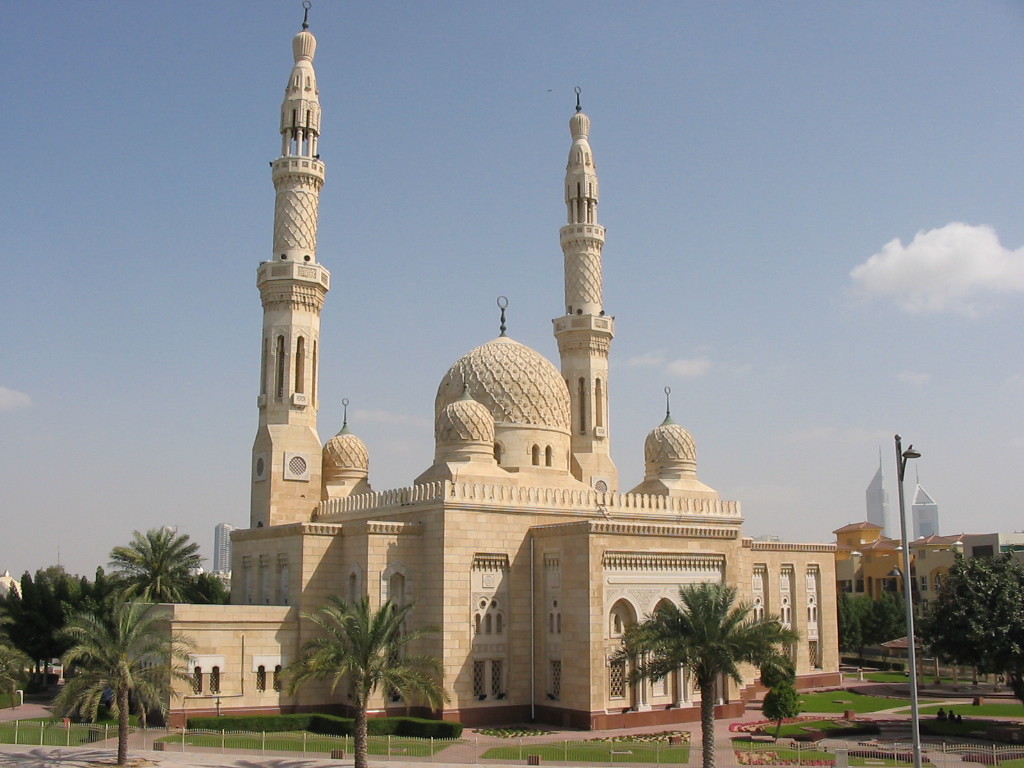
x=661, y=737
x=512, y=733
x=773, y=758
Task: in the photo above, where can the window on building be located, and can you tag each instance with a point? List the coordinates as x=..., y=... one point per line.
x=279, y=378
x=215, y=680
x=277, y=678
x=548, y=456
x=617, y=679
x=497, y=679
x=535, y=455
x=598, y=404
x=555, y=678
x=261, y=678
x=300, y=367
x=479, y=684
x=197, y=680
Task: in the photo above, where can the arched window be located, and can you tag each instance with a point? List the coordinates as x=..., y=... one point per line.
x=197, y=680
x=261, y=678
x=300, y=367
x=476, y=624
x=547, y=456
x=598, y=404
x=312, y=372
x=396, y=589
x=499, y=624
x=353, y=586
x=277, y=678
x=263, y=368
x=487, y=624
x=535, y=455
x=215, y=680
x=279, y=379
x=582, y=391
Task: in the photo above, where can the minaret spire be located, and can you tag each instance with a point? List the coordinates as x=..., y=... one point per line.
x=585, y=333
x=287, y=457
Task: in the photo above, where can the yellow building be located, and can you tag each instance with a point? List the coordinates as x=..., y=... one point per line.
x=517, y=542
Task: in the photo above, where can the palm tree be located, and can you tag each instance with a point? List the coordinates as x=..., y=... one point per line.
x=14, y=668
x=126, y=652
x=368, y=647
x=157, y=566
x=710, y=635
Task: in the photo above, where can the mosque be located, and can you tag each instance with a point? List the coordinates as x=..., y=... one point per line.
x=518, y=543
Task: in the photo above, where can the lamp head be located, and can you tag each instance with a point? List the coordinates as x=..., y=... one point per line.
x=911, y=453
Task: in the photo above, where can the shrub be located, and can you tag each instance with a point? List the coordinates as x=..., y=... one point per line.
x=330, y=725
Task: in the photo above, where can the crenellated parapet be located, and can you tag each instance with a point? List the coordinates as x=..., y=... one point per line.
x=513, y=498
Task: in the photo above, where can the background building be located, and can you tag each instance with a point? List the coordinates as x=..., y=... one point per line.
x=222, y=548
x=925, y=514
x=877, y=502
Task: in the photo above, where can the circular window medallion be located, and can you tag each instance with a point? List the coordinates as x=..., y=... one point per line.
x=259, y=467
x=601, y=486
x=297, y=466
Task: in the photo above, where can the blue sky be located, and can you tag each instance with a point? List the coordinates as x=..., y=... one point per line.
x=814, y=237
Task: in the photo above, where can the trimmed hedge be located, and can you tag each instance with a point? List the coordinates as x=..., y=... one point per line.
x=331, y=725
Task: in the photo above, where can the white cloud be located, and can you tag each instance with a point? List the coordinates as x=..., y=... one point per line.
x=914, y=379
x=954, y=268
x=689, y=369
x=11, y=400
x=655, y=358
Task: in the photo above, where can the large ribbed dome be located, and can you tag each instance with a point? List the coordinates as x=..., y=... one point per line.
x=515, y=383
x=670, y=447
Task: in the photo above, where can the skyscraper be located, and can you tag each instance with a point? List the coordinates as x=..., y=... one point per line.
x=925, y=513
x=877, y=499
x=222, y=547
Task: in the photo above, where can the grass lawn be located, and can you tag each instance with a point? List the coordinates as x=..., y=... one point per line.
x=840, y=701
x=292, y=741
x=46, y=731
x=594, y=752
x=795, y=729
x=993, y=709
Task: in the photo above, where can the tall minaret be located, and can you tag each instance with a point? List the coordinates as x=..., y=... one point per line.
x=287, y=452
x=585, y=333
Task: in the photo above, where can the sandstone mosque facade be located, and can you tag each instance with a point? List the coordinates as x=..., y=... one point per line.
x=518, y=543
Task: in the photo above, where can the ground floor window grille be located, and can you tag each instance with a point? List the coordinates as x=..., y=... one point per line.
x=617, y=679
x=814, y=651
x=277, y=678
x=197, y=680
x=478, y=680
x=496, y=678
x=261, y=678
x=556, y=678
x=215, y=680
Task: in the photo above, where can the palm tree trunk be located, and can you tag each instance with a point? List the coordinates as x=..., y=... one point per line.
x=122, y=726
x=362, y=759
x=707, y=722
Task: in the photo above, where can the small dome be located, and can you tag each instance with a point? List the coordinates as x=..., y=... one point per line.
x=579, y=126
x=345, y=453
x=670, y=447
x=304, y=46
x=465, y=420
x=516, y=384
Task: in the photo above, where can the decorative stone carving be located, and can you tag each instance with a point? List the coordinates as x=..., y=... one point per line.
x=515, y=383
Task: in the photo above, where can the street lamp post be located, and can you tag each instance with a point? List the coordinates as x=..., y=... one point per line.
x=908, y=601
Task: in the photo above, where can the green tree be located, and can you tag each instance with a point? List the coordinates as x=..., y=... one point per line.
x=157, y=566
x=207, y=589
x=711, y=635
x=978, y=618
x=14, y=666
x=884, y=619
x=125, y=651
x=851, y=630
x=368, y=648
x=35, y=617
x=781, y=702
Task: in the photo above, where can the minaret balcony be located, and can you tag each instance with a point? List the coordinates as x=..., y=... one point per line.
x=296, y=165
x=293, y=271
x=602, y=324
x=572, y=232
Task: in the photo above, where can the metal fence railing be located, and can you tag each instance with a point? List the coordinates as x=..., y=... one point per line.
x=533, y=750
